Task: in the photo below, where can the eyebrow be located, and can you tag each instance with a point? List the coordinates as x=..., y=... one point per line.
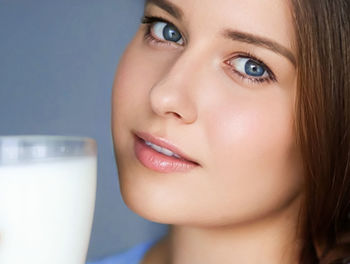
x=231, y=34
x=168, y=7
x=260, y=41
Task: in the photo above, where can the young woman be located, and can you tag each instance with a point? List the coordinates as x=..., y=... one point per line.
x=231, y=122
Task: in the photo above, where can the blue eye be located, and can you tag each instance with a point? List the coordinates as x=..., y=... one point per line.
x=161, y=31
x=250, y=67
x=166, y=31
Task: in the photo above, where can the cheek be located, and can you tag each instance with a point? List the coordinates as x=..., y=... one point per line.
x=126, y=95
x=126, y=88
x=253, y=130
x=254, y=153
x=132, y=81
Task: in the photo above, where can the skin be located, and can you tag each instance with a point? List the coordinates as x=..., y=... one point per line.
x=241, y=204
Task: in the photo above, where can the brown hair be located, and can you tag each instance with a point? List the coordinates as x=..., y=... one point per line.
x=323, y=127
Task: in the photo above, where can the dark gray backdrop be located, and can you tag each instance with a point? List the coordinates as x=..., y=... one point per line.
x=57, y=63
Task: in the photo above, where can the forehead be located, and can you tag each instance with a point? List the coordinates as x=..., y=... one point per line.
x=266, y=18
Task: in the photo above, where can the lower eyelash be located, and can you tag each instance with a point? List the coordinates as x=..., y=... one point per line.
x=254, y=80
x=148, y=35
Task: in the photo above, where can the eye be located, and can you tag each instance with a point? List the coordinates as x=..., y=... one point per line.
x=160, y=30
x=247, y=66
x=250, y=68
x=166, y=31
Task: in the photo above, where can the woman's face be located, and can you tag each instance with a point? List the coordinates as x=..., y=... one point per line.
x=217, y=80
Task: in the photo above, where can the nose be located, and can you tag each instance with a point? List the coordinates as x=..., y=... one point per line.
x=173, y=96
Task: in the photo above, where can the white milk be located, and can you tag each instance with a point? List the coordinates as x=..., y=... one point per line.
x=46, y=211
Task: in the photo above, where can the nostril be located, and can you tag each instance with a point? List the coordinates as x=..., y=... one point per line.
x=173, y=113
x=177, y=115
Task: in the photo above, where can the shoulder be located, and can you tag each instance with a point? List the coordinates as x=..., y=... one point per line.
x=131, y=256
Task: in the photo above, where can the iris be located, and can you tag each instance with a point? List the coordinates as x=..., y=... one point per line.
x=252, y=68
x=171, y=34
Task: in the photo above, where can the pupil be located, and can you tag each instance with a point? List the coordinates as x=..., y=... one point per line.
x=171, y=34
x=254, y=69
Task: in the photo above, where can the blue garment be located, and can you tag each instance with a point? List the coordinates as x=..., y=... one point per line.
x=130, y=256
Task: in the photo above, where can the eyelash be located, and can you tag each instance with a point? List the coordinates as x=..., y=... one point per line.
x=246, y=55
x=149, y=21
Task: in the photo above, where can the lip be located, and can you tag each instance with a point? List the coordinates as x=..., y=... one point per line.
x=164, y=143
x=157, y=161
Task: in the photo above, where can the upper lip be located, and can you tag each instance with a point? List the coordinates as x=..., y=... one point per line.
x=164, y=143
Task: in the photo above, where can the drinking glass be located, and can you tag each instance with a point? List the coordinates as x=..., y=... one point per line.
x=47, y=198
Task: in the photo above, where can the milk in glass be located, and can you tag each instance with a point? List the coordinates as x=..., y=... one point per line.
x=46, y=210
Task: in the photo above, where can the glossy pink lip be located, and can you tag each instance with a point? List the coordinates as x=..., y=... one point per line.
x=154, y=160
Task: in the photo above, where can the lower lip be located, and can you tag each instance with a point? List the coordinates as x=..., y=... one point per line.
x=159, y=162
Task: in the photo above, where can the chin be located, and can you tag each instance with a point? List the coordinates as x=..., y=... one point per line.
x=151, y=196
x=147, y=207
x=151, y=206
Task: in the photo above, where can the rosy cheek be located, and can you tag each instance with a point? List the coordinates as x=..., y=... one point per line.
x=249, y=132
x=232, y=129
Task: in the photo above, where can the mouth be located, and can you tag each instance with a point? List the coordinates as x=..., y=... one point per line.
x=160, y=155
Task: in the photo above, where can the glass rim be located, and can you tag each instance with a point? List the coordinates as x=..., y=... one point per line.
x=30, y=137
x=16, y=149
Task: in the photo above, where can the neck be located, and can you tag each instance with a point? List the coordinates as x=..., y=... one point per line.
x=271, y=240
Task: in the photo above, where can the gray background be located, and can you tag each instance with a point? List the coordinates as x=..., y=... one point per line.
x=57, y=64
